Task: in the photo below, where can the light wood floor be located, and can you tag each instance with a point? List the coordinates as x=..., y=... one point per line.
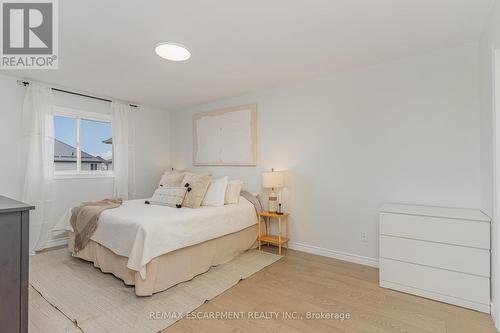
x=301, y=283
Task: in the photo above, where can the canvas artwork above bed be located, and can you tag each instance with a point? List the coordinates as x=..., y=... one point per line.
x=226, y=137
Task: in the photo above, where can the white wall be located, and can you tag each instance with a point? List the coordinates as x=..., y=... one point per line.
x=404, y=131
x=495, y=230
x=489, y=148
x=490, y=37
x=149, y=131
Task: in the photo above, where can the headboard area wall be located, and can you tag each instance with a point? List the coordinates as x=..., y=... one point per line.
x=402, y=131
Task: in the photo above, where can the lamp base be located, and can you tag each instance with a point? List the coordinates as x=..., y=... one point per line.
x=273, y=203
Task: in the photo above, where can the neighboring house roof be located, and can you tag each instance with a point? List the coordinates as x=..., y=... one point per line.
x=108, y=141
x=64, y=152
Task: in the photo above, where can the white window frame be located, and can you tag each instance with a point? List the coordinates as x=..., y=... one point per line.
x=79, y=115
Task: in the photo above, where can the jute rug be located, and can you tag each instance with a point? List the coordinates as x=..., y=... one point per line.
x=100, y=302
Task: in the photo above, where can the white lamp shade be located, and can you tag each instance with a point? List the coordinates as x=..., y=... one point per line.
x=273, y=179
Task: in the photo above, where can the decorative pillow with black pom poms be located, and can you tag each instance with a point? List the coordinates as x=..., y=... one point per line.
x=172, y=178
x=196, y=186
x=169, y=196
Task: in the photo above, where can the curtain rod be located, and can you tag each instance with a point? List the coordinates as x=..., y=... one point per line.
x=26, y=83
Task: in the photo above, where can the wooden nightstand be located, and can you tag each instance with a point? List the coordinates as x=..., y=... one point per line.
x=278, y=240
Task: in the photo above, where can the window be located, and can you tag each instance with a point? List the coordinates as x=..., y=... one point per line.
x=83, y=143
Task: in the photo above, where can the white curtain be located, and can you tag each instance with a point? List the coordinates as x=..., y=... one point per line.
x=120, y=113
x=37, y=160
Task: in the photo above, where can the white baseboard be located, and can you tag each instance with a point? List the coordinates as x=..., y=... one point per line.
x=355, y=258
x=56, y=242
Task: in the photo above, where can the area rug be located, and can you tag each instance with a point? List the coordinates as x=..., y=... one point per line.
x=99, y=302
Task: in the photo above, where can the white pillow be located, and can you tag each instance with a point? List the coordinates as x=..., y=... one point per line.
x=216, y=192
x=233, y=192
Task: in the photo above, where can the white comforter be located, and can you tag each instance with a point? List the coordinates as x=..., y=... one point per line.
x=142, y=232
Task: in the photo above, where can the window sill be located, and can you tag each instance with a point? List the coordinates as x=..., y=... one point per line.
x=82, y=175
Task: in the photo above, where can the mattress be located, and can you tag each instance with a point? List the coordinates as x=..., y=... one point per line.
x=172, y=268
x=141, y=232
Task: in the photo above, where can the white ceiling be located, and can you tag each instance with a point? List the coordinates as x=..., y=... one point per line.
x=107, y=47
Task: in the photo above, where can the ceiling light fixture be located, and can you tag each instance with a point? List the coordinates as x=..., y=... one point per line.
x=172, y=51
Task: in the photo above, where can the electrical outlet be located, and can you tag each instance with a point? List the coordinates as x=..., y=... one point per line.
x=364, y=236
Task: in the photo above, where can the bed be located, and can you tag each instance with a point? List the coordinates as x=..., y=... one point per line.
x=154, y=247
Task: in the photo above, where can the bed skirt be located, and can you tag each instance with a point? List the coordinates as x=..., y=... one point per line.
x=171, y=268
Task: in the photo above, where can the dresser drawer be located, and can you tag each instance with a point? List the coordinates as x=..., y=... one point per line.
x=436, y=229
x=452, y=257
x=443, y=282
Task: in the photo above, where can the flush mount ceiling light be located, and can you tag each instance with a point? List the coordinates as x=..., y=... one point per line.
x=172, y=51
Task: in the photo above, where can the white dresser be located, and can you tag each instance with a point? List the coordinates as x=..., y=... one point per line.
x=436, y=252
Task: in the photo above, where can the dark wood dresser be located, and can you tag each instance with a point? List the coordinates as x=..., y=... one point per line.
x=14, y=265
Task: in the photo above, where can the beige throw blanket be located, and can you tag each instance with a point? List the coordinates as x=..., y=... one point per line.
x=85, y=218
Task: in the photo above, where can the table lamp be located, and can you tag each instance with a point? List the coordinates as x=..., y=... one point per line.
x=273, y=180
